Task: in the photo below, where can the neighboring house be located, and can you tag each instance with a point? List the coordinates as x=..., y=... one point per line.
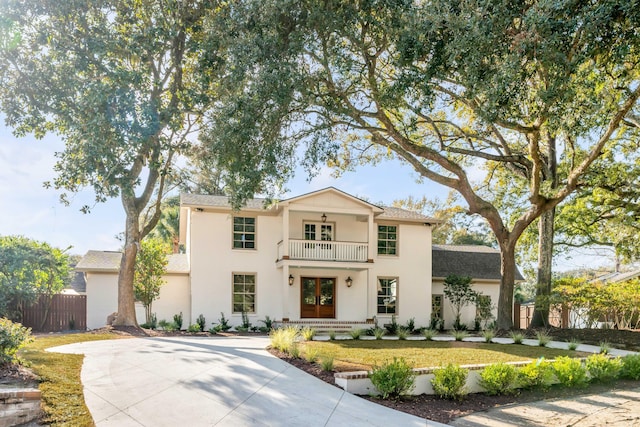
x=324, y=258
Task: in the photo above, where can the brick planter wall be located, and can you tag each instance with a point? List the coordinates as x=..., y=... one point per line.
x=19, y=406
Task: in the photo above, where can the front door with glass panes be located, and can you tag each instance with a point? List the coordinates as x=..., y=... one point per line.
x=318, y=297
x=322, y=232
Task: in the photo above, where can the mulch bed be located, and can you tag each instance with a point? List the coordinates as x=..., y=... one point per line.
x=15, y=375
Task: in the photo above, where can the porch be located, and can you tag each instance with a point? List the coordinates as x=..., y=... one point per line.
x=324, y=251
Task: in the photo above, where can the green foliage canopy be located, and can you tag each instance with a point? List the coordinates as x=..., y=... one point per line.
x=151, y=266
x=29, y=268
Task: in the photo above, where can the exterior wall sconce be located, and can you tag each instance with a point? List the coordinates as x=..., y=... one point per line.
x=349, y=281
x=290, y=280
x=324, y=217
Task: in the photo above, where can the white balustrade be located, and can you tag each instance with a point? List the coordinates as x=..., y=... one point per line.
x=326, y=250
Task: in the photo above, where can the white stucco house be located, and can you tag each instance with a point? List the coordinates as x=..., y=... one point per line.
x=322, y=258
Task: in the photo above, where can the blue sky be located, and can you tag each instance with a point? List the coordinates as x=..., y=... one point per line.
x=30, y=210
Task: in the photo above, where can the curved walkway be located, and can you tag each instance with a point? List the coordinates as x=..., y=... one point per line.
x=197, y=381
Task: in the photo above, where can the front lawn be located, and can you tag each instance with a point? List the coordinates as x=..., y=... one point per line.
x=352, y=355
x=62, y=397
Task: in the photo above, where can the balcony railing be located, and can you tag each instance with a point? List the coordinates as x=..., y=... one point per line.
x=325, y=250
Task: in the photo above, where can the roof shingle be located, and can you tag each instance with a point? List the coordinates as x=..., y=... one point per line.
x=479, y=262
x=109, y=261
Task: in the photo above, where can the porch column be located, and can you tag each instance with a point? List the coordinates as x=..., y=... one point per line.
x=285, y=233
x=285, y=292
x=373, y=238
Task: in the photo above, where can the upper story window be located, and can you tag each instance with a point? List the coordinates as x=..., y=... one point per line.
x=387, y=240
x=244, y=232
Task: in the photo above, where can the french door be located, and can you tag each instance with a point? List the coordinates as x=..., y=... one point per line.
x=318, y=297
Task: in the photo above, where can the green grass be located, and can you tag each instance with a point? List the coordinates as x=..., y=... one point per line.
x=62, y=397
x=358, y=355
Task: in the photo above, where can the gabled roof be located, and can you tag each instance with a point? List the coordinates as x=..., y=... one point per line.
x=375, y=208
x=381, y=212
x=617, y=276
x=479, y=262
x=109, y=262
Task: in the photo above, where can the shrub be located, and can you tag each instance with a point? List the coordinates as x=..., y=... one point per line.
x=283, y=339
x=411, y=325
x=167, y=326
x=573, y=344
x=570, y=372
x=605, y=347
x=488, y=335
x=356, y=333
x=499, y=378
x=194, y=328
x=403, y=333
x=326, y=363
x=449, y=382
x=201, y=322
x=460, y=335
x=308, y=333
x=332, y=335
x=543, y=338
x=392, y=328
x=177, y=320
x=223, y=322
x=538, y=373
x=603, y=368
x=13, y=336
x=429, y=333
x=517, y=337
x=631, y=367
x=378, y=333
x=152, y=324
x=268, y=324
x=393, y=379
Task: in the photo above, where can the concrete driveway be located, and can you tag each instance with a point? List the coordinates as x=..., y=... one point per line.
x=216, y=381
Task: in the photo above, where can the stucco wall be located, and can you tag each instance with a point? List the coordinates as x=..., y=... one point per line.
x=102, y=299
x=468, y=313
x=412, y=266
x=213, y=262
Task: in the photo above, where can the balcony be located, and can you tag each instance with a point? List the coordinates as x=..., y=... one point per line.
x=325, y=251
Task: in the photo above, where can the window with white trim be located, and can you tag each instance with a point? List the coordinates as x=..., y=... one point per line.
x=387, y=240
x=387, y=295
x=244, y=232
x=244, y=293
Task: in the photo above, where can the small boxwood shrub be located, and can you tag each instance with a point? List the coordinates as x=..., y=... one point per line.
x=603, y=368
x=538, y=373
x=393, y=379
x=450, y=382
x=631, y=367
x=570, y=372
x=13, y=336
x=499, y=378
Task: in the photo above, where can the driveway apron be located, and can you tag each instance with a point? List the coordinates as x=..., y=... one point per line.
x=214, y=381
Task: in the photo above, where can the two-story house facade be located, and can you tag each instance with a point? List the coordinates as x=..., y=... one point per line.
x=325, y=255
x=323, y=258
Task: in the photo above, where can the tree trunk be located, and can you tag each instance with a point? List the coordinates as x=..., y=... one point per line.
x=545, y=259
x=126, y=299
x=505, y=301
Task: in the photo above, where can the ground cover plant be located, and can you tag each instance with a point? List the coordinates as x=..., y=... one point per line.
x=365, y=355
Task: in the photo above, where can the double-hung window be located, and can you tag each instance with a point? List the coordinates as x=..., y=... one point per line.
x=244, y=232
x=387, y=295
x=387, y=240
x=244, y=293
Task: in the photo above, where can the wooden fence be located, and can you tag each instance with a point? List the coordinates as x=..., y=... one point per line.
x=59, y=313
x=522, y=315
